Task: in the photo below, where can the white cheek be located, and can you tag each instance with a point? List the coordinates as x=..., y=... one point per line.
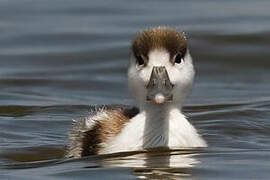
x=137, y=81
x=144, y=74
x=138, y=75
x=133, y=78
x=181, y=75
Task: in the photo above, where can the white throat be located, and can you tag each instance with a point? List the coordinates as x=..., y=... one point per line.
x=156, y=128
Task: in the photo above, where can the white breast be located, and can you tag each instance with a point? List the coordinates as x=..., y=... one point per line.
x=179, y=134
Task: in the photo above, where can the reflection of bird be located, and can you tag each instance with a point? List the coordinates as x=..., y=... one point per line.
x=160, y=75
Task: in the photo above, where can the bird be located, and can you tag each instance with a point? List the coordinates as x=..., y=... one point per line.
x=160, y=76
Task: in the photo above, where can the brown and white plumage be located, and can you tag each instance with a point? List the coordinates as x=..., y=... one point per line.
x=101, y=125
x=160, y=76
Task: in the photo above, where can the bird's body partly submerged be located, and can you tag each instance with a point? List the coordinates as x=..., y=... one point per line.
x=160, y=76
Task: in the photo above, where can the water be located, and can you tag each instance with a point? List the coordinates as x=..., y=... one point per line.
x=58, y=58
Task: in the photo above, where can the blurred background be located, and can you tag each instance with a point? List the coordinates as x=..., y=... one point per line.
x=59, y=57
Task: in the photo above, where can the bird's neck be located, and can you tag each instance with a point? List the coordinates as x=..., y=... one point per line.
x=157, y=119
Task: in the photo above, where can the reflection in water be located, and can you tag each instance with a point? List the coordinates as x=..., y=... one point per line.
x=166, y=166
x=158, y=163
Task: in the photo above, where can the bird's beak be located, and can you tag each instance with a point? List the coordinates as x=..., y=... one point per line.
x=159, y=88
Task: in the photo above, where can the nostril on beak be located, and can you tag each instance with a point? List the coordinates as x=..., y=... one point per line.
x=164, y=82
x=159, y=76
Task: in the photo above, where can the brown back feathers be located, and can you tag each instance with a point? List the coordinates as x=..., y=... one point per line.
x=106, y=124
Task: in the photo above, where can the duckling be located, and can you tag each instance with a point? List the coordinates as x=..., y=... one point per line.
x=160, y=76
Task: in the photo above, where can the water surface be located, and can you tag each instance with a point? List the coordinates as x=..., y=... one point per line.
x=59, y=58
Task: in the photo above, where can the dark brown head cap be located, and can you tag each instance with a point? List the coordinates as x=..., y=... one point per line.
x=159, y=38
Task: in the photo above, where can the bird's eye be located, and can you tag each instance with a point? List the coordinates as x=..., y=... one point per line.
x=140, y=60
x=178, y=58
